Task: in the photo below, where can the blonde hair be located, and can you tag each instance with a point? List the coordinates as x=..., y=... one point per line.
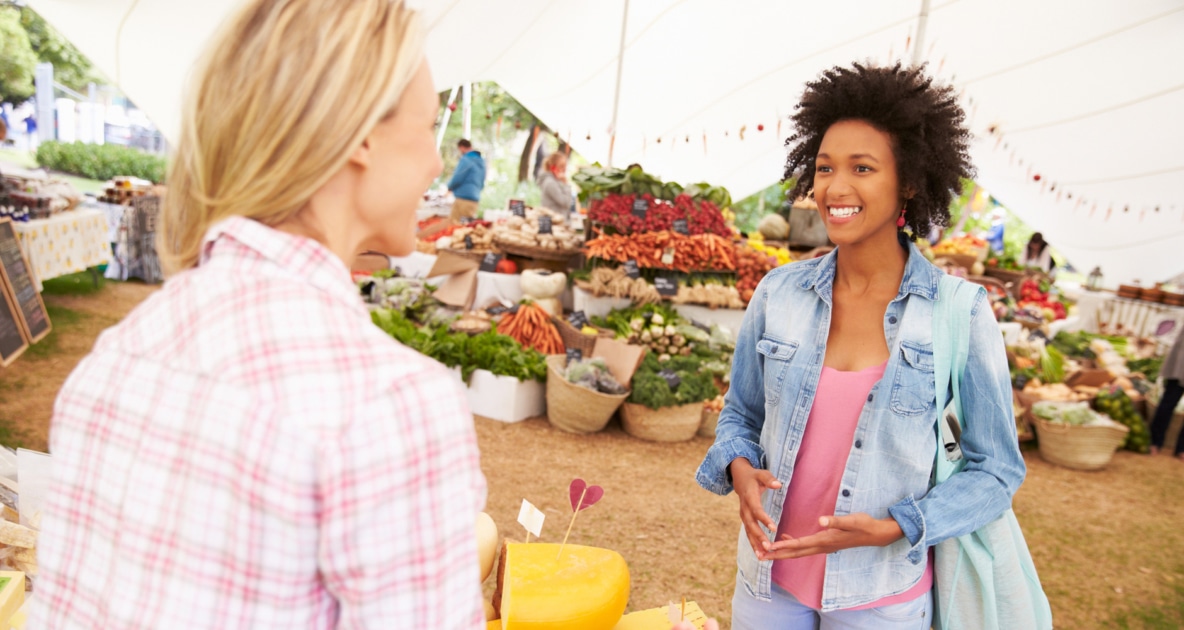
x=285, y=93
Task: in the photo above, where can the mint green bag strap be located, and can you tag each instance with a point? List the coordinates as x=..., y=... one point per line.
x=984, y=580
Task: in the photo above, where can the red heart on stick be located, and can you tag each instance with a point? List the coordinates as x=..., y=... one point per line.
x=591, y=494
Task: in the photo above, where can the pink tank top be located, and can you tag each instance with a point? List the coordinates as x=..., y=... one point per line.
x=818, y=473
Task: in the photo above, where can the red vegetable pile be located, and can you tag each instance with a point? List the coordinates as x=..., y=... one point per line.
x=616, y=212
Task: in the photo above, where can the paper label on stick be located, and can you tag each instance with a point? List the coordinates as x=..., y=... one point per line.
x=531, y=518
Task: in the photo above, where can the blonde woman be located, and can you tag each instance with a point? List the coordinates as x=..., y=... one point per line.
x=245, y=450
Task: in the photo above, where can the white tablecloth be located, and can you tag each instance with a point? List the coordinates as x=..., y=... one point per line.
x=65, y=243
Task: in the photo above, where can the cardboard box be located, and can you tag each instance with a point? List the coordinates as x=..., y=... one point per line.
x=461, y=287
x=505, y=398
x=1090, y=378
x=622, y=358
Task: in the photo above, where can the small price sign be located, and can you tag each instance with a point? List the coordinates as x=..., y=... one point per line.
x=632, y=270
x=680, y=226
x=518, y=207
x=497, y=309
x=489, y=263
x=641, y=207
x=701, y=326
x=666, y=286
x=468, y=242
x=574, y=354
x=578, y=319
x=671, y=378
x=545, y=224
x=466, y=220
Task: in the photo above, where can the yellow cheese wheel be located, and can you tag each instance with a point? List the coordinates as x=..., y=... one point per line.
x=12, y=595
x=486, y=543
x=586, y=588
x=659, y=618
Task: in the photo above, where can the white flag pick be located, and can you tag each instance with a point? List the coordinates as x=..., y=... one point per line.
x=531, y=518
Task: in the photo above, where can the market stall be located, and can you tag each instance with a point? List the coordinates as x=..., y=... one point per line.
x=67, y=242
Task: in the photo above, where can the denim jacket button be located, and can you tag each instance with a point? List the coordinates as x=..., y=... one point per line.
x=869, y=397
x=892, y=320
x=846, y=493
x=858, y=443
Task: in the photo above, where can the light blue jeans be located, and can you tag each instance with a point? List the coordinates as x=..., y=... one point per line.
x=785, y=612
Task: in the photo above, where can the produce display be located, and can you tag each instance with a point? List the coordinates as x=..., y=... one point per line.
x=524, y=232
x=479, y=233
x=582, y=588
x=598, y=182
x=1004, y=262
x=751, y=267
x=473, y=323
x=773, y=227
x=667, y=250
x=708, y=292
x=531, y=326
x=781, y=255
x=652, y=389
x=616, y=212
x=1116, y=404
x=1072, y=413
x=965, y=245
x=614, y=282
x=1035, y=296
x=652, y=325
x=490, y=351
x=593, y=374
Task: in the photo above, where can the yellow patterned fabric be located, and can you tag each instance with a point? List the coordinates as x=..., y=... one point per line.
x=65, y=243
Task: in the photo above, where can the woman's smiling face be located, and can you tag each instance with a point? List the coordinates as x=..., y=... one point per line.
x=855, y=183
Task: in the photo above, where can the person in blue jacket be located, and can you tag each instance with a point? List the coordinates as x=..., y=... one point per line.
x=467, y=181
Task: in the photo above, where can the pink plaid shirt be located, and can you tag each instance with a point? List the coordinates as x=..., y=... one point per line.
x=246, y=450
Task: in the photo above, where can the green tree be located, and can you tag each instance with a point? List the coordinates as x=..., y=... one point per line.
x=70, y=67
x=17, y=58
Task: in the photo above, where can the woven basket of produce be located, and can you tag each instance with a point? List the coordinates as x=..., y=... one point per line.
x=1004, y=275
x=1088, y=447
x=965, y=261
x=667, y=424
x=575, y=408
x=538, y=253
x=708, y=423
x=574, y=339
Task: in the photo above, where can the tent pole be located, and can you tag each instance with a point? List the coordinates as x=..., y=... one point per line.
x=467, y=97
x=922, y=22
x=617, y=94
x=445, y=116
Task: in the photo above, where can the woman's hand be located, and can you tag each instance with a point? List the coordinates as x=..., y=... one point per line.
x=842, y=532
x=750, y=483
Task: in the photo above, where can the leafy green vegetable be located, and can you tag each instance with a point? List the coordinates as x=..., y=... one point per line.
x=1148, y=367
x=490, y=351
x=1052, y=365
x=653, y=391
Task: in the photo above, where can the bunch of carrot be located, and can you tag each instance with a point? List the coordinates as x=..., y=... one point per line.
x=531, y=326
x=690, y=253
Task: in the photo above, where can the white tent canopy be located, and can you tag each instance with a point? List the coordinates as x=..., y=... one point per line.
x=1087, y=95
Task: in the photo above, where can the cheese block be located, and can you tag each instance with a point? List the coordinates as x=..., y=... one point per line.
x=586, y=588
x=486, y=543
x=12, y=595
x=659, y=618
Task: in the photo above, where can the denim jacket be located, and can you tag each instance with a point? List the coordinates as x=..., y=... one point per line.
x=778, y=361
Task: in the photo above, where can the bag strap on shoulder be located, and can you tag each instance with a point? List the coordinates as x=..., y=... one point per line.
x=951, y=350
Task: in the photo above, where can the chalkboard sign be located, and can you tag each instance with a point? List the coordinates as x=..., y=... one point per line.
x=14, y=268
x=666, y=286
x=545, y=224
x=489, y=263
x=641, y=207
x=468, y=241
x=672, y=379
x=518, y=207
x=574, y=354
x=497, y=309
x=631, y=269
x=578, y=319
x=680, y=226
x=701, y=326
x=12, y=338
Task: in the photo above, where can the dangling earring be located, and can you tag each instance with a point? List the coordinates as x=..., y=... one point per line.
x=900, y=221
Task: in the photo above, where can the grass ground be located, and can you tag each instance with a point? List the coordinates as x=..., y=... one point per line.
x=1106, y=543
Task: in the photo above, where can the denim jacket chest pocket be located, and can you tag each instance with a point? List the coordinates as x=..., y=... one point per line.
x=913, y=388
x=777, y=355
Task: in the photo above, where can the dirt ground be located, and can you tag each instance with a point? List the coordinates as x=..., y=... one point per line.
x=1106, y=544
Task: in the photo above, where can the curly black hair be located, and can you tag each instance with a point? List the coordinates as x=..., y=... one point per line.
x=930, y=140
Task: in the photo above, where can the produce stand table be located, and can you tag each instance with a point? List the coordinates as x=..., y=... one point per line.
x=1137, y=317
x=65, y=243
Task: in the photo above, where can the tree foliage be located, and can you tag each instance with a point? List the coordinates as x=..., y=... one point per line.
x=70, y=67
x=17, y=58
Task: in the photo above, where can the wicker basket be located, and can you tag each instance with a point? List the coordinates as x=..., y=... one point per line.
x=574, y=408
x=574, y=339
x=1079, y=447
x=538, y=253
x=708, y=423
x=668, y=424
x=1005, y=275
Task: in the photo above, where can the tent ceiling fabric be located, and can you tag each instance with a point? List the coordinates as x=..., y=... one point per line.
x=1087, y=95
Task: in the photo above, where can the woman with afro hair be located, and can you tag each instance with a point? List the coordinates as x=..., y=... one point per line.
x=827, y=434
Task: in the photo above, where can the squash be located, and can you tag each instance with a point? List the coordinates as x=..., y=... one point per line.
x=774, y=227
